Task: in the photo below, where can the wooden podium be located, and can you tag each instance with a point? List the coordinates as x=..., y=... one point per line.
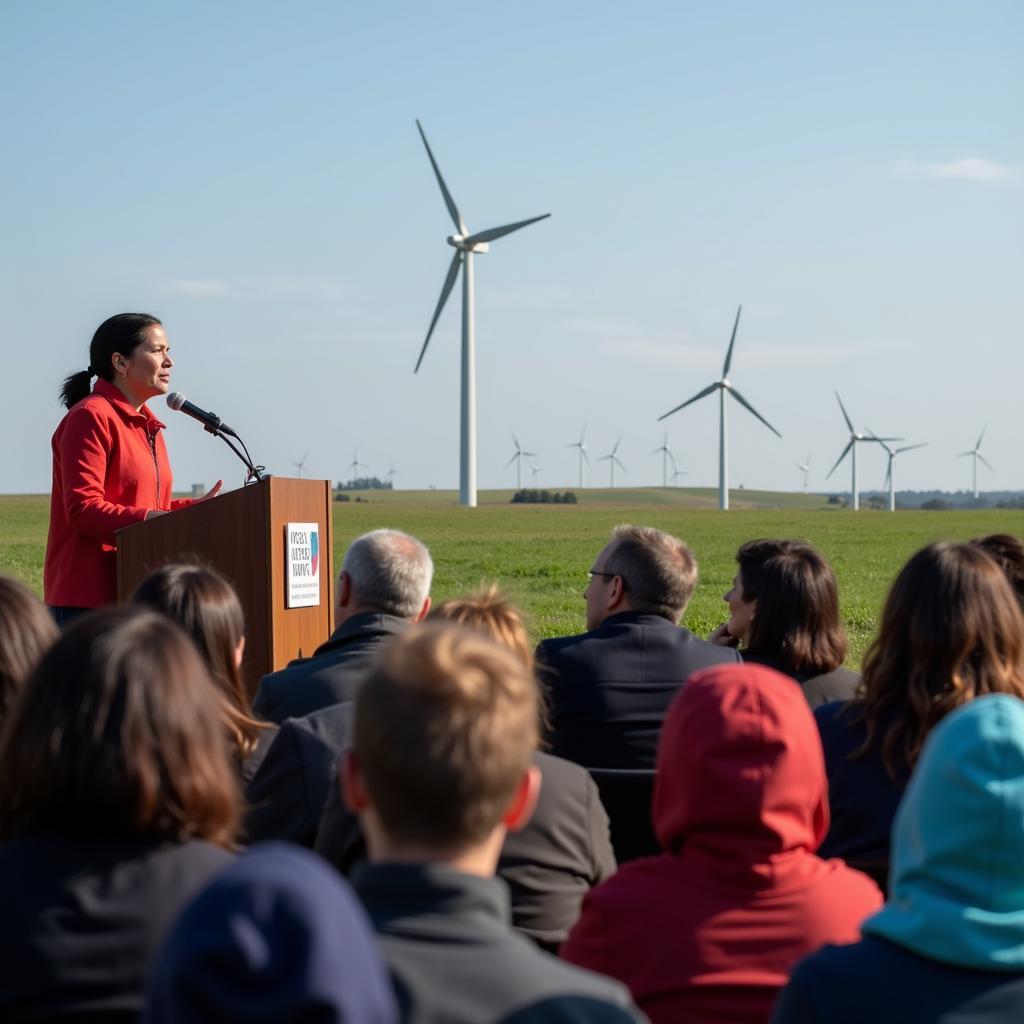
x=242, y=534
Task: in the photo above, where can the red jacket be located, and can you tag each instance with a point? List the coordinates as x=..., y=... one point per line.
x=710, y=930
x=110, y=468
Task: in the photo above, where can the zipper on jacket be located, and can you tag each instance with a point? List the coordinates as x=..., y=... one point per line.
x=156, y=464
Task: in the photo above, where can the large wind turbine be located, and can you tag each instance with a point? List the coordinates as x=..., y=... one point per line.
x=855, y=436
x=666, y=457
x=355, y=465
x=805, y=468
x=723, y=387
x=613, y=460
x=517, y=458
x=977, y=457
x=583, y=451
x=300, y=465
x=465, y=245
x=890, y=480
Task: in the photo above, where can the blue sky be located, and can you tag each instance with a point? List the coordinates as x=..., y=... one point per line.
x=251, y=173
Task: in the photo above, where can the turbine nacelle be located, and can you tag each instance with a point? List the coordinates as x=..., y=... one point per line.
x=462, y=242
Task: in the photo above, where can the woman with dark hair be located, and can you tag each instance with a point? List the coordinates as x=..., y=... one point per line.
x=1008, y=552
x=110, y=466
x=784, y=610
x=26, y=633
x=117, y=803
x=951, y=631
x=206, y=606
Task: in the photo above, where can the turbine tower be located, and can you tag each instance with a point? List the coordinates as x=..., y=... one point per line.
x=355, y=465
x=517, y=458
x=805, y=468
x=300, y=464
x=392, y=473
x=465, y=245
x=977, y=457
x=613, y=459
x=890, y=481
x=855, y=437
x=666, y=458
x=724, y=387
x=583, y=451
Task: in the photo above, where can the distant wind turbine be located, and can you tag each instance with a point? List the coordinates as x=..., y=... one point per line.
x=613, y=460
x=534, y=470
x=977, y=457
x=805, y=468
x=465, y=245
x=392, y=473
x=723, y=387
x=666, y=458
x=355, y=465
x=890, y=480
x=300, y=464
x=517, y=458
x=583, y=451
x=855, y=437
x=677, y=473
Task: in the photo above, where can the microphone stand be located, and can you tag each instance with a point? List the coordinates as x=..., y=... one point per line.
x=254, y=472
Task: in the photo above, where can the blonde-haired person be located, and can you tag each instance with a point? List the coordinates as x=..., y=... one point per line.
x=564, y=849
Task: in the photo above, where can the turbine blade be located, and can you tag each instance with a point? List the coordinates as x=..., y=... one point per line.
x=690, y=401
x=732, y=341
x=980, y=436
x=617, y=443
x=446, y=290
x=492, y=233
x=739, y=398
x=911, y=447
x=985, y=461
x=845, y=415
x=880, y=440
x=513, y=459
x=586, y=457
x=515, y=440
x=846, y=451
x=960, y=455
x=530, y=455
x=448, y=201
x=618, y=462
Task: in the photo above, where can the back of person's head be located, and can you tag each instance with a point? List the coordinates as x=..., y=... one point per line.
x=951, y=631
x=121, y=333
x=276, y=936
x=956, y=888
x=751, y=557
x=740, y=770
x=1008, y=552
x=445, y=726
x=117, y=733
x=797, y=618
x=658, y=571
x=206, y=606
x=27, y=631
x=489, y=612
x=390, y=572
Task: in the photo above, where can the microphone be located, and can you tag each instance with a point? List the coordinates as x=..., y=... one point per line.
x=210, y=420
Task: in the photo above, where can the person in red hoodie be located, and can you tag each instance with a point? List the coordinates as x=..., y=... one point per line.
x=709, y=930
x=110, y=466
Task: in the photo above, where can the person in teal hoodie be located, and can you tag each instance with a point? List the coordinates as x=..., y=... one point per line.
x=948, y=947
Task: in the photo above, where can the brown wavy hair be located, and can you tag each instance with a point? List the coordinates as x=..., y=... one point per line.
x=27, y=631
x=115, y=734
x=951, y=631
x=206, y=606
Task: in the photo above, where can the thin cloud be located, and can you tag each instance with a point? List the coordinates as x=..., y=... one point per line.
x=272, y=287
x=976, y=169
x=196, y=289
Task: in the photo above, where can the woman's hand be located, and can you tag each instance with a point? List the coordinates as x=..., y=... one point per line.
x=211, y=493
x=722, y=637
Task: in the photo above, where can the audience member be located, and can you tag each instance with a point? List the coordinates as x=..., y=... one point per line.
x=949, y=946
x=784, y=611
x=552, y=861
x=1008, y=552
x=117, y=803
x=610, y=688
x=445, y=728
x=709, y=930
x=951, y=630
x=276, y=936
x=384, y=584
x=206, y=606
x=27, y=631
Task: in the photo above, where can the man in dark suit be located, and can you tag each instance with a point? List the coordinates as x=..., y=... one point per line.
x=384, y=584
x=609, y=688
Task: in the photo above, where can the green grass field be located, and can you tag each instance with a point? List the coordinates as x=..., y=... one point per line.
x=540, y=553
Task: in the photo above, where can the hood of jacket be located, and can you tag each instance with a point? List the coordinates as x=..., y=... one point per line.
x=956, y=884
x=741, y=775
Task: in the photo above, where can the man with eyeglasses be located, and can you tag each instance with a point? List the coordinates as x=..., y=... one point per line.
x=609, y=688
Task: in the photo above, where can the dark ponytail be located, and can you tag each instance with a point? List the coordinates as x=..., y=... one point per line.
x=121, y=333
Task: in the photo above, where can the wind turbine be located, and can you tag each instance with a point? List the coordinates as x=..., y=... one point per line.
x=977, y=457
x=855, y=436
x=534, y=470
x=666, y=457
x=301, y=463
x=613, y=459
x=355, y=465
x=583, y=451
x=723, y=387
x=805, y=468
x=677, y=473
x=392, y=473
x=465, y=245
x=890, y=481
x=517, y=458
